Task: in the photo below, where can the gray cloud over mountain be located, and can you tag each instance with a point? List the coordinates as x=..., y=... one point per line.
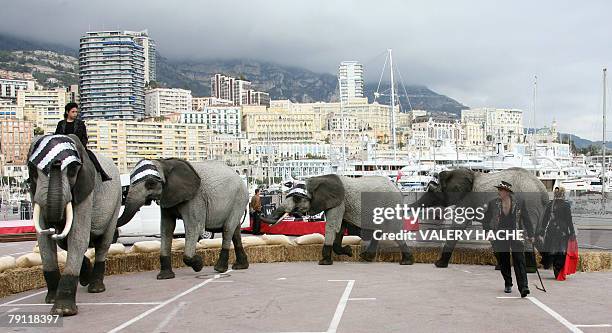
x=483, y=53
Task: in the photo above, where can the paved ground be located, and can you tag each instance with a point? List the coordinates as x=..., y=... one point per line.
x=345, y=297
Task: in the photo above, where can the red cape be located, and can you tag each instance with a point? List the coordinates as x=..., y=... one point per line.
x=571, y=260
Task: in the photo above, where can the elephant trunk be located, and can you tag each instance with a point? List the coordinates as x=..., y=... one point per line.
x=131, y=208
x=55, y=197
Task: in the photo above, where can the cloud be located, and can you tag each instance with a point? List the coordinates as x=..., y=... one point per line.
x=482, y=53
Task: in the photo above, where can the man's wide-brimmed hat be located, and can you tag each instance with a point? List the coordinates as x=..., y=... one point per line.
x=504, y=186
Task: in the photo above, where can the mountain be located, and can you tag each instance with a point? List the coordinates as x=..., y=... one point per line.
x=59, y=67
x=582, y=143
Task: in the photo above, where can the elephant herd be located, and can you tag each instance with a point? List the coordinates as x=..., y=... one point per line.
x=74, y=209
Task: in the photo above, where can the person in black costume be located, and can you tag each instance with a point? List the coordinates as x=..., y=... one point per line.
x=556, y=230
x=507, y=212
x=72, y=125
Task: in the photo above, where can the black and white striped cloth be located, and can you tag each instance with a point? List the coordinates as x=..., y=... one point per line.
x=143, y=170
x=53, y=148
x=298, y=189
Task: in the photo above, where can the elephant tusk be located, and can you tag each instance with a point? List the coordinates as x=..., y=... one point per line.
x=68, y=226
x=281, y=218
x=36, y=218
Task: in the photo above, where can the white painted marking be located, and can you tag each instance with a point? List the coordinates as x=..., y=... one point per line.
x=161, y=305
x=594, y=325
x=333, y=326
x=362, y=299
x=22, y=298
x=281, y=279
x=502, y=297
x=221, y=281
x=169, y=317
x=555, y=315
x=102, y=303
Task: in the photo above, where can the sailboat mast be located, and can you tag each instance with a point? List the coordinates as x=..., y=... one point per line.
x=393, y=107
x=535, y=103
x=603, y=141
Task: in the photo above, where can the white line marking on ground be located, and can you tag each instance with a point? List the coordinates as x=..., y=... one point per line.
x=466, y=271
x=281, y=279
x=502, y=297
x=170, y=316
x=555, y=315
x=594, y=325
x=221, y=281
x=148, y=312
x=362, y=299
x=22, y=298
x=333, y=326
x=125, y=303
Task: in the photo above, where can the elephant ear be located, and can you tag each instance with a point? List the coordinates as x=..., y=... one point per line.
x=181, y=184
x=326, y=192
x=86, y=178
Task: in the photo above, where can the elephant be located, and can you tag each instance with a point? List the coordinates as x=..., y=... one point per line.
x=462, y=187
x=207, y=195
x=70, y=197
x=340, y=197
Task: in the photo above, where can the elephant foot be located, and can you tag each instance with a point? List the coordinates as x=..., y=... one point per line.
x=242, y=261
x=52, y=278
x=50, y=298
x=441, y=263
x=194, y=262
x=326, y=260
x=344, y=250
x=367, y=256
x=96, y=286
x=166, y=274
x=407, y=259
x=85, y=274
x=65, y=304
x=222, y=265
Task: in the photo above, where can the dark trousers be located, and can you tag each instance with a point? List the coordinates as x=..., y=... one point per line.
x=256, y=222
x=504, y=248
x=558, y=261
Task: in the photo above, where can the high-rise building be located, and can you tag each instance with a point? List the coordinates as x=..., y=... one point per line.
x=15, y=139
x=220, y=119
x=236, y=90
x=111, y=76
x=164, y=101
x=150, y=53
x=9, y=88
x=43, y=107
x=350, y=77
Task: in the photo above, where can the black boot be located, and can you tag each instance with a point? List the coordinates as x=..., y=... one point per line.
x=165, y=271
x=242, y=262
x=326, y=254
x=65, y=304
x=96, y=283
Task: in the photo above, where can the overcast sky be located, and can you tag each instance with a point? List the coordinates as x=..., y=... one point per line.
x=482, y=53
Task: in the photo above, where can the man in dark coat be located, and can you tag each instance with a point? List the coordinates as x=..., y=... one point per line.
x=507, y=212
x=556, y=230
x=72, y=125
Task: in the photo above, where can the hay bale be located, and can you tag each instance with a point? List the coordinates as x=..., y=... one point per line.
x=29, y=260
x=214, y=243
x=278, y=240
x=351, y=240
x=116, y=249
x=252, y=241
x=178, y=244
x=310, y=239
x=146, y=247
x=7, y=262
x=36, y=249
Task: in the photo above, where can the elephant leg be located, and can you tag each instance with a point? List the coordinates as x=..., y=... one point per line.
x=337, y=247
x=407, y=258
x=85, y=272
x=369, y=254
x=447, y=253
x=242, y=262
x=48, y=254
x=167, y=226
x=96, y=283
x=333, y=226
x=222, y=263
x=192, y=230
x=78, y=240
